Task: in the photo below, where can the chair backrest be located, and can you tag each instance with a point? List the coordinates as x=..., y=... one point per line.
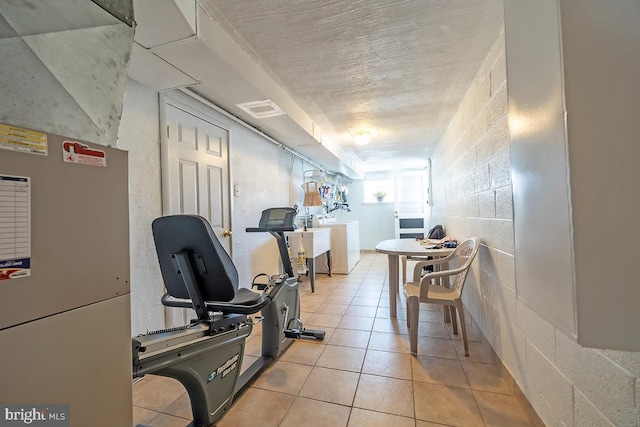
x=465, y=253
x=216, y=276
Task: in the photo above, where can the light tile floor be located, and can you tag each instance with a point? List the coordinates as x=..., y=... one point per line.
x=362, y=374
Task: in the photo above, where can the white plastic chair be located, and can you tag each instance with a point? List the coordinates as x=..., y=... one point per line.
x=404, y=259
x=422, y=290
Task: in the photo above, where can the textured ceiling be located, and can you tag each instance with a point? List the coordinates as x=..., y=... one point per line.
x=397, y=68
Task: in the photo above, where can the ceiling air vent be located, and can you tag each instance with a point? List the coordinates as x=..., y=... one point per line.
x=261, y=109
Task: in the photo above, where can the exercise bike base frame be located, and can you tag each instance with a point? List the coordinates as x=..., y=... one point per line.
x=207, y=366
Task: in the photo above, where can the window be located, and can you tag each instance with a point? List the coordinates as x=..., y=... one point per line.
x=378, y=190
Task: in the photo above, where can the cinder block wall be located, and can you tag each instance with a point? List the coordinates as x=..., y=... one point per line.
x=472, y=196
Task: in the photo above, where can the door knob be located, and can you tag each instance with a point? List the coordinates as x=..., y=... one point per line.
x=226, y=233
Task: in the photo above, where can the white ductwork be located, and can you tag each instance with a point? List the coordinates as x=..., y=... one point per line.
x=179, y=45
x=63, y=68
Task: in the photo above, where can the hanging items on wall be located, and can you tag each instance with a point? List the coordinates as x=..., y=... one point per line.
x=335, y=195
x=328, y=192
x=312, y=187
x=312, y=194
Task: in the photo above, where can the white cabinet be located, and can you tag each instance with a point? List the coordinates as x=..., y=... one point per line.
x=345, y=247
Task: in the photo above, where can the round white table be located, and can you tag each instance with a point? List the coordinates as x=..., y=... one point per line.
x=394, y=248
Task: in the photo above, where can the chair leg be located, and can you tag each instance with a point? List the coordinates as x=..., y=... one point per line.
x=463, y=328
x=454, y=321
x=408, y=314
x=404, y=268
x=413, y=308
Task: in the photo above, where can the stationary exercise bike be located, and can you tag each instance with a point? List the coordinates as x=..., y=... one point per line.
x=206, y=355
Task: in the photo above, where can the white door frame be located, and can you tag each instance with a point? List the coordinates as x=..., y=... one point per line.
x=192, y=106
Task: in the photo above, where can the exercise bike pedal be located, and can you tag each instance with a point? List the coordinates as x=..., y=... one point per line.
x=313, y=333
x=304, y=333
x=292, y=333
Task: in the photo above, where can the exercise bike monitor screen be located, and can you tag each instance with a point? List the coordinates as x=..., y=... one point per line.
x=276, y=219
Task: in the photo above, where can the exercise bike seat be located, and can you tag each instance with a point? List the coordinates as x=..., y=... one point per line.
x=197, y=271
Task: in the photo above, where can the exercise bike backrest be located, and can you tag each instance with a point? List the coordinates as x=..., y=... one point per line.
x=197, y=271
x=193, y=235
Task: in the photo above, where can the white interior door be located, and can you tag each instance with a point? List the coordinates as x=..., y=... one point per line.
x=411, y=208
x=195, y=178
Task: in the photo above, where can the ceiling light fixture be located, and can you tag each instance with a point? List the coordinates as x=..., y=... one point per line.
x=362, y=138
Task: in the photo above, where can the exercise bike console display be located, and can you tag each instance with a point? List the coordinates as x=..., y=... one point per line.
x=275, y=219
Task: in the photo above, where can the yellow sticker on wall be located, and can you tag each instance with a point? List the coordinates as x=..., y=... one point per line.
x=19, y=139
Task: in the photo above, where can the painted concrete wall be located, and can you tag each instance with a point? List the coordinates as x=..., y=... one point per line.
x=261, y=172
x=265, y=176
x=376, y=219
x=140, y=135
x=472, y=196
